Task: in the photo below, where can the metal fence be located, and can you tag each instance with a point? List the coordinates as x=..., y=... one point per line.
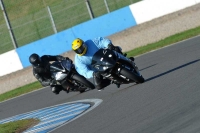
x=25, y=21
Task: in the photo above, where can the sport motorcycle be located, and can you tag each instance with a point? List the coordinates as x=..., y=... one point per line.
x=64, y=73
x=117, y=70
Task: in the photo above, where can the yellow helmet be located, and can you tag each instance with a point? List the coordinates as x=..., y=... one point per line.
x=79, y=46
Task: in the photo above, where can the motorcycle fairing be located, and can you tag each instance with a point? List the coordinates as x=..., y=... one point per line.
x=56, y=67
x=67, y=64
x=59, y=75
x=103, y=59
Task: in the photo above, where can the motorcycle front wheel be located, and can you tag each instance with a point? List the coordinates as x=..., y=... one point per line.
x=132, y=75
x=83, y=81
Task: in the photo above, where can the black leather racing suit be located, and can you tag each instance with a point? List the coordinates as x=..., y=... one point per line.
x=43, y=75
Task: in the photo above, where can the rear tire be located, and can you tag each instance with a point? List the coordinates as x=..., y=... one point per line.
x=83, y=81
x=131, y=75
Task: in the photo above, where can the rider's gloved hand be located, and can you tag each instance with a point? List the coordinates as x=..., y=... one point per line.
x=118, y=49
x=59, y=58
x=115, y=48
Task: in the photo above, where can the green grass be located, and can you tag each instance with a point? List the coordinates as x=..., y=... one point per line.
x=18, y=126
x=167, y=41
x=21, y=90
x=11, y=127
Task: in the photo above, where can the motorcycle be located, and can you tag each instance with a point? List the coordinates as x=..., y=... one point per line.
x=117, y=70
x=64, y=73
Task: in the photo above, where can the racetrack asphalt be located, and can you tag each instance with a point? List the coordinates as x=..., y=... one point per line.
x=168, y=102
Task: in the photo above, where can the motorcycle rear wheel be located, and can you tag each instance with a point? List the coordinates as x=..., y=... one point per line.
x=83, y=81
x=131, y=75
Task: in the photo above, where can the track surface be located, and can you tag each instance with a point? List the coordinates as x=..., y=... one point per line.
x=168, y=102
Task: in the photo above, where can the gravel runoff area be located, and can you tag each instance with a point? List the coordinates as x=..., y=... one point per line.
x=128, y=39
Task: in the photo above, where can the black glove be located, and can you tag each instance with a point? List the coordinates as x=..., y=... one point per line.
x=59, y=58
x=115, y=48
x=118, y=49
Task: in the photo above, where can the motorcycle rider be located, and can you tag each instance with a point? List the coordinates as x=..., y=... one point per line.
x=83, y=58
x=41, y=70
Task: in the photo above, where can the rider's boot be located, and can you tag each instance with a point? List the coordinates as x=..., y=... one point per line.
x=97, y=79
x=118, y=85
x=56, y=89
x=99, y=82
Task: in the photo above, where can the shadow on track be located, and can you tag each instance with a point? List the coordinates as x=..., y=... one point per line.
x=149, y=79
x=147, y=67
x=192, y=62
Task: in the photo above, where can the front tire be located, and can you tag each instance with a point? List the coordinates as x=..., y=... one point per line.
x=131, y=75
x=83, y=80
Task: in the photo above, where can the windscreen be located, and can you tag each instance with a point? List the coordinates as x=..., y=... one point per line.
x=103, y=59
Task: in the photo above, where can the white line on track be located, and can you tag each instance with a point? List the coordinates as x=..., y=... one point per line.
x=56, y=116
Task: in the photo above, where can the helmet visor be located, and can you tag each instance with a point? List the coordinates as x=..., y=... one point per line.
x=37, y=62
x=80, y=49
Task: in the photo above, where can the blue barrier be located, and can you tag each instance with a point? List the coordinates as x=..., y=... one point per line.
x=59, y=43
